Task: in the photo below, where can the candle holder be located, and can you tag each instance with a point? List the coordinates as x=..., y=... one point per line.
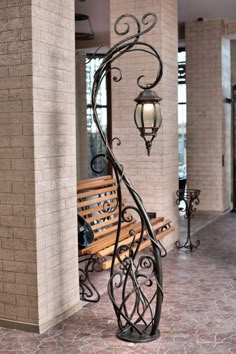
x=190, y=198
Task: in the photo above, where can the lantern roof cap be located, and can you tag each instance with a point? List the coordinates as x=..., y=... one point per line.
x=147, y=96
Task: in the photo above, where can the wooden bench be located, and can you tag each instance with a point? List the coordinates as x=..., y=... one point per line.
x=97, y=204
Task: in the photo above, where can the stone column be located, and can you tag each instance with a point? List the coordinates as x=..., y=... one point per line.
x=38, y=233
x=154, y=177
x=208, y=116
x=81, y=117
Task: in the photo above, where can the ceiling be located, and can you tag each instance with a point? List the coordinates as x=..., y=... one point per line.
x=192, y=9
x=187, y=10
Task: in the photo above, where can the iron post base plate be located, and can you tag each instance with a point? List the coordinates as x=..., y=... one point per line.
x=132, y=336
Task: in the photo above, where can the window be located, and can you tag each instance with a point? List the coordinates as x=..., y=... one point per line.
x=95, y=143
x=182, y=114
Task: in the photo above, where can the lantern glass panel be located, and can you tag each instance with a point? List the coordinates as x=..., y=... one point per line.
x=138, y=115
x=148, y=115
x=158, y=115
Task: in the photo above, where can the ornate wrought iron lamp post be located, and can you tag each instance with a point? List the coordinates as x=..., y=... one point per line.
x=135, y=289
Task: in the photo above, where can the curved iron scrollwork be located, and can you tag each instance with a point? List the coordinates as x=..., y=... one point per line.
x=88, y=292
x=135, y=289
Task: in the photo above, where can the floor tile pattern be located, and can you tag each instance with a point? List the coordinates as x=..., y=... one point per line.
x=198, y=316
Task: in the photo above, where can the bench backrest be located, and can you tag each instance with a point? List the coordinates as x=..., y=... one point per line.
x=97, y=203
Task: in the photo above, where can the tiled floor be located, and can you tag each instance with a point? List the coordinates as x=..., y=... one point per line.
x=198, y=316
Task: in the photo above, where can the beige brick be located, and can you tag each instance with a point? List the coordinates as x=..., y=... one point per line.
x=18, y=187
x=16, y=289
x=7, y=277
x=19, y=311
x=12, y=175
x=5, y=141
x=3, y=25
x=29, y=301
x=15, y=106
x=22, y=164
x=33, y=313
x=19, y=47
x=4, y=71
x=11, y=153
x=5, y=187
x=31, y=267
x=32, y=290
x=3, y=48
x=27, y=279
x=4, y=95
x=23, y=210
x=26, y=256
x=9, y=36
x=12, y=221
x=15, y=23
x=6, y=233
x=5, y=164
x=27, y=234
x=20, y=70
x=10, y=129
x=12, y=266
x=7, y=299
x=20, y=94
x=10, y=59
x=26, y=34
x=5, y=210
x=14, y=244
x=22, y=141
x=27, y=106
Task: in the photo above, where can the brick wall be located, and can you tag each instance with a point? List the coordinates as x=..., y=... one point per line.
x=55, y=157
x=206, y=117
x=38, y=256
x=154, y=177
x=18, y=283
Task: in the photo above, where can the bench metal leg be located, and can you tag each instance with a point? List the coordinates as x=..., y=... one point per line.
x=88, y=291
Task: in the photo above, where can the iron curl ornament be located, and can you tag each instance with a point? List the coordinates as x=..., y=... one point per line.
x=135, y=289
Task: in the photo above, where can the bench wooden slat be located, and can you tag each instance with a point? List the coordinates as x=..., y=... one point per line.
x=112, y=229
x=109, y=250
x=95, y=184
x=100, y=216
x=94, y=180
x=104, y=224
x=104, y=242
x=92, y=201
x=92, y=192
x=98, y=245
x=93, y=210
x=107, y=264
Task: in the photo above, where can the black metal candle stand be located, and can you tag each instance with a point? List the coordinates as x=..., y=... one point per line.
x=190, y=198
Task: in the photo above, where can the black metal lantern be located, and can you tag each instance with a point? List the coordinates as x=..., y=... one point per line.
x=147, y=116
